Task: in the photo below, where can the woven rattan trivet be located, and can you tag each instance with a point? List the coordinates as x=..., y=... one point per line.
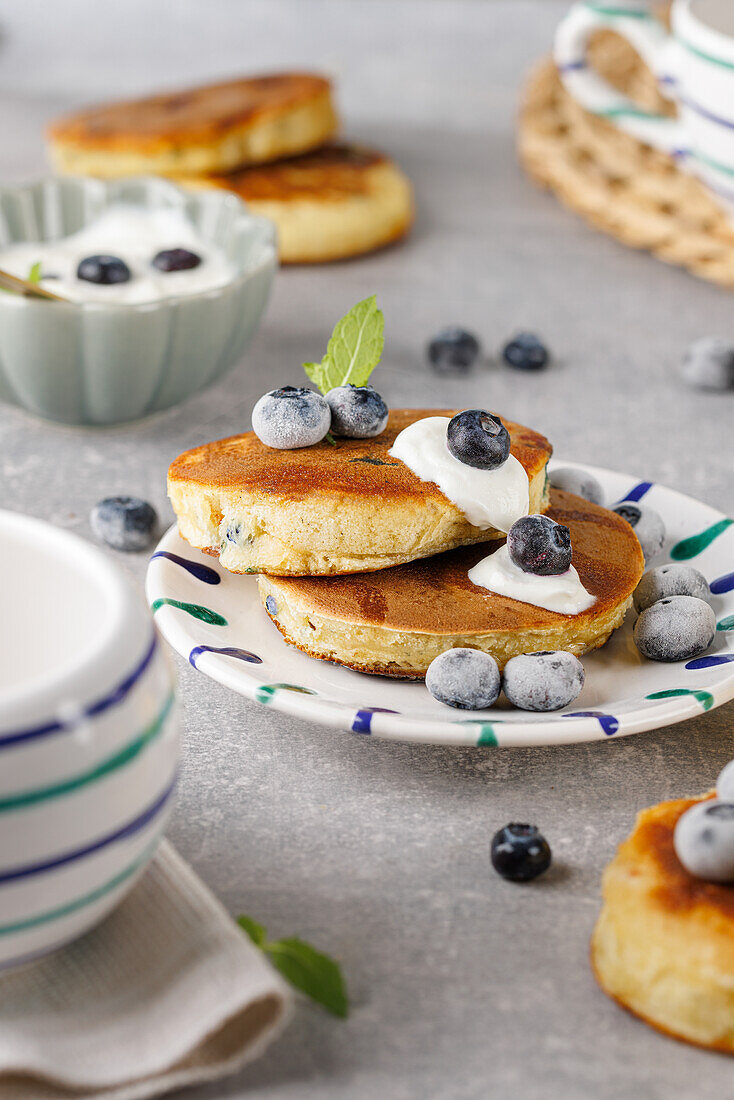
x=625, y=188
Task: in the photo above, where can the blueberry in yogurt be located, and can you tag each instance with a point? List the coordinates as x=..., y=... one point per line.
x=176, y=259
x=537, y=544
x=525, y=352
x=104, y=270
x=674, y=579
x=478, y=439
x=124, y=523
x=675, y=628
x=520, y=852
x=709, y=365
x=453, y=350
x=543, y=681
x=704, y=840
x=291, y=417
x=579, y=483
x=464, y=678
x=647, y=525
x=357, y=412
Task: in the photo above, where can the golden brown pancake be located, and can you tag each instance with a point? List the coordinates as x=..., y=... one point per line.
x=663, y=946
x=329, y=509
x=214, y=128
x=336, y=202
x=397, y=621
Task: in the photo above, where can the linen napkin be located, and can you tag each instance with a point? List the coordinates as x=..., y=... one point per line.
x=166, y=992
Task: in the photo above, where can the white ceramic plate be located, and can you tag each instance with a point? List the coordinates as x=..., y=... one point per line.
x=215, y=620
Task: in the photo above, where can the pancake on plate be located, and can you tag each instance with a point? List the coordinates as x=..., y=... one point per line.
x=339, y=201
x=663, y=946
x=214, y=128
x=329, y=509
x=395, y=622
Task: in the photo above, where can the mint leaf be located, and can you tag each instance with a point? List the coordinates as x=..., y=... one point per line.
x=255, y=931
x=34, y=275
x=310, y=971
x=354, y=349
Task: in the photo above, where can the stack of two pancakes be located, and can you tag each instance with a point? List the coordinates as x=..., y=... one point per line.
x=362, y=563
x=271, y=139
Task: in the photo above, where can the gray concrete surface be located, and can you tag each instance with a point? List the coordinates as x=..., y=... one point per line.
x=463, y=987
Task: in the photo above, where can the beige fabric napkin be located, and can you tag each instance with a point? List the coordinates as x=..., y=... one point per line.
x=166, y=992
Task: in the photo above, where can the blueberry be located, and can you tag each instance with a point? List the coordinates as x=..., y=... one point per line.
x=271, y=605
x=539, y=545
x=464, y=678
x=125, y=523
x=647, y=525
x=578, y=482
x=675, y=628
x=709, y=365
x=453, y=350
x=670, y=580
x=704, y=840
x=725, y=783
x=357, y=412
x=519, y=852
x=478, y=439
x=176, y=259
x=291, y=417
x=525, y=352
x=104, y=270
x=543, y=681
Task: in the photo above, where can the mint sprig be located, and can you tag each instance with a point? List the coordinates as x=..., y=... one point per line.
x=308, y=970
x=34, y=275
x=354, y=349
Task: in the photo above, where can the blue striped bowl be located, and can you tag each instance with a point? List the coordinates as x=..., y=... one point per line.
x=88, y=738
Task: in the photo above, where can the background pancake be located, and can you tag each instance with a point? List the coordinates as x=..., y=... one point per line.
x=395, y=622
x=348, y=508
x=214, y=128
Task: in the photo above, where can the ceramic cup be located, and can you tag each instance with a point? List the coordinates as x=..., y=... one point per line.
x=88, y=737
x=694, y=67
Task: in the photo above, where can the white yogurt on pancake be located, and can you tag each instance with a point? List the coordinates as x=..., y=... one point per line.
x=133, y=234
x=563, y=593
x=488, y=498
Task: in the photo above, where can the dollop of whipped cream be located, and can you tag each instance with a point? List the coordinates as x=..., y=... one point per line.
x=488, y=498
x=563, y=593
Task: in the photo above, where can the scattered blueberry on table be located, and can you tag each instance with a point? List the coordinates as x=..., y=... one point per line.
x=709, y=364
x=543, y=681
x=578, y=482
x=675, y=628
x=647, y=525
x=674, y=579
x=104, y=270
x=291, y=417
x=537, y=544
x=124, y=523
x=453, y=350
x=478, y=439
x=704, y=840
x=465, y=678
x=520, y=852
x=357, y=412
x=725, y=783
x=176, y=259
x=526, y=352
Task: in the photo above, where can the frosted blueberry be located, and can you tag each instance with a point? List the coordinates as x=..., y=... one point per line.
x=670, y=580
x=725, y=783
x=453, y=350
x=704, y=840
x=675, y=628
x=478, y=439
x=464, y=678
x=543, y=681
x=357, y=412
x=124, y=523
x=291, y=417
x=647, y=525
x=709, y=364
x=578, y=482
x=539, y=545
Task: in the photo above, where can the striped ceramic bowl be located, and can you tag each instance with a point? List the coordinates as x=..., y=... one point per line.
x=88, y=737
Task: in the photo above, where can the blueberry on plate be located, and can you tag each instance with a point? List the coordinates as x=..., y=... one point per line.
x=104, y=270
x=709, y=365
x=704, y=840
x=725, y=783
x=675, y=628
x=291, y=417
x=548, y=680
x=674, y=579
x=357, y=412
x=537, y=544
x=464, y=678
x=176, y=259
x=647, y=525
x=579, y=483
x=525, y=352
x=453, y=350
x=478, y=439
x=519, y=852
x=124, y=523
